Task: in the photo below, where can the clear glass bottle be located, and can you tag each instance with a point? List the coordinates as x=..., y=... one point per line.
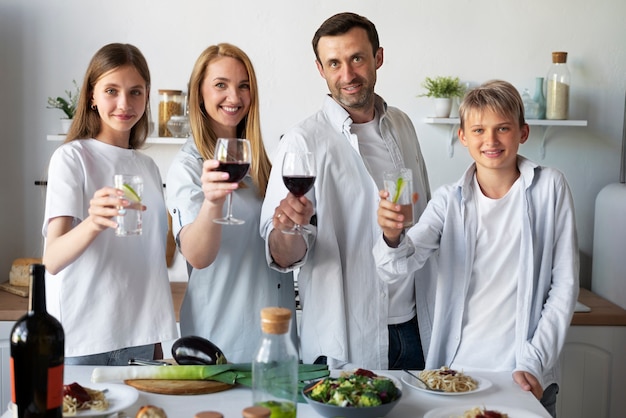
x=539, y=98
x=37, y=356
x=275, y=365
x=531, y=109
x=171, y=103
x=557, y=88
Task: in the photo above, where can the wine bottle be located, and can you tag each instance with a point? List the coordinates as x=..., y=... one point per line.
x=37, y=355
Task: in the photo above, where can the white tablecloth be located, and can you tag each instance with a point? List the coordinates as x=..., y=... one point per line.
x=414, y=403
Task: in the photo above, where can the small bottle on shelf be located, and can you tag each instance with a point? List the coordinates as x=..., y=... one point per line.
x=275, y=365
x=37, y=356
x=558, y=87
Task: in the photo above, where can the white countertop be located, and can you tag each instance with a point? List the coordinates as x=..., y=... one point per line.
x=413, y=404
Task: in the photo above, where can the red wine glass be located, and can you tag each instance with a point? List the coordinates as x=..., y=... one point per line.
x=234, y=157
x=299, y=177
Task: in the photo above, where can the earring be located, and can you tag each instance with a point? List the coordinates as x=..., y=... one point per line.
x=93, y=107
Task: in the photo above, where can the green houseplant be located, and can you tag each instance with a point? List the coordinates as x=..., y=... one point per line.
x=443, y=89
x=68, y=106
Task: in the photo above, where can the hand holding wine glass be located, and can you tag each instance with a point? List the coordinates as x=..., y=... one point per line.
x=235, y=157
x=299, y=174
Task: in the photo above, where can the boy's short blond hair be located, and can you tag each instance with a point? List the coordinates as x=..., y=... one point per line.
x=496, y=95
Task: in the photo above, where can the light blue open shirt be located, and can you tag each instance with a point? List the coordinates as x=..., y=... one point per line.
x=223, y=301
x=549, y=263
x=344, y=303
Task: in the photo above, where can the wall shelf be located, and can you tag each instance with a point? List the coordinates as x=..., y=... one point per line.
x=150, y=140
x=545, y=123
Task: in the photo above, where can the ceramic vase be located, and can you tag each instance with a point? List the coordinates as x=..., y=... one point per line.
x=443, y=106
x=65, y=125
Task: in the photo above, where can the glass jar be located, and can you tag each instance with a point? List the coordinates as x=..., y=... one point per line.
x=171, y=103
x=178, y=126
x=256, y=412
x=557, y=87
x=275, y=365
x=539, y=98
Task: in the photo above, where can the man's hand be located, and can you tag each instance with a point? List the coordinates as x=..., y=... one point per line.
x=528, y=382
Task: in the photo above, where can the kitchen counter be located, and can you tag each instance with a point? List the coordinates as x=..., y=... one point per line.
x=12, y=307
x=503, y=393
x=603, y=312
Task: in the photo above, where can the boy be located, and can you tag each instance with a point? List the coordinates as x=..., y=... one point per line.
x=505, y=238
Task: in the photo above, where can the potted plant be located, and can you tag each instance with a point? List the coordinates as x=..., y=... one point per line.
x=67, y=105
x=443, y=89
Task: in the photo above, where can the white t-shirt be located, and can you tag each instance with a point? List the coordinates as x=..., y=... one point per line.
x=377, y=160
x=117, y=293
x=494, y=278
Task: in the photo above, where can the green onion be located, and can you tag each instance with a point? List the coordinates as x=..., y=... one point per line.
x=400, y=183
x=234, y=373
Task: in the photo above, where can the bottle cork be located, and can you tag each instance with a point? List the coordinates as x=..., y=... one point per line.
x=559, y=57
x=275, y=320
x=256, y=412
x=208, y=414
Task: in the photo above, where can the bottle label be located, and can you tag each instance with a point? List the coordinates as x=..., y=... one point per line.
x=55, y=386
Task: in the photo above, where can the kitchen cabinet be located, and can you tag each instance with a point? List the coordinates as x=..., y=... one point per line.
x=545, y=123
x=593, y=362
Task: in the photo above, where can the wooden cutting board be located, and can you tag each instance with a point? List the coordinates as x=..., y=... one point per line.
x=178, y=387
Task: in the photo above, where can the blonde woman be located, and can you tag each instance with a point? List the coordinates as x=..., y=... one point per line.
x=229, y=280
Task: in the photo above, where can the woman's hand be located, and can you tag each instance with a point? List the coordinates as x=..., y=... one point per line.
x=215, y=184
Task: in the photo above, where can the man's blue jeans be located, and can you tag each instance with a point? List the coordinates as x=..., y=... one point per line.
x=405, y=346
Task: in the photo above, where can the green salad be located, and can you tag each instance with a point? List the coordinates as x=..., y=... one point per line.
x=362, y=388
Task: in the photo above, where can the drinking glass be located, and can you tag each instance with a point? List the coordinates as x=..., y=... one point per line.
x=235, y=158
x=129, y=218
x=399, y=184
x=299, y=176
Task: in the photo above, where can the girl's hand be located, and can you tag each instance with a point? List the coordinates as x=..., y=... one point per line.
x=215, y=184
x=104, y=206
x=390, y=219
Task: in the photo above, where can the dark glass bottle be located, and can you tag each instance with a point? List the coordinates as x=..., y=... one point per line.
x=37, y=355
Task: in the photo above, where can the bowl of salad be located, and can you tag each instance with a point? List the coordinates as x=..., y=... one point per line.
x=358, y=394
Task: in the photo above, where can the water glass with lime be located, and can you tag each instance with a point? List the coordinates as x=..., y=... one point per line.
x=399, y=183
x=129, y=217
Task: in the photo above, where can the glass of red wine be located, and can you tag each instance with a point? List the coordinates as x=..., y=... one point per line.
x=298, y=176
x=234, y=157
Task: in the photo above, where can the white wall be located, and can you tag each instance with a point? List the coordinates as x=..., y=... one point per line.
x=45, y=44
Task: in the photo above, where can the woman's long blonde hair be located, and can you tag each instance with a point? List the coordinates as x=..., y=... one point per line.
x=249, y=127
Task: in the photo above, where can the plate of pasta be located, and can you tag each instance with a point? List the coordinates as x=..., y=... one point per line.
x=452, y=382
x=474, y=411
x=96, y=399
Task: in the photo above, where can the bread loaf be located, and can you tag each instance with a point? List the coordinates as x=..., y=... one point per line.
x=150, y=411
x=20, y=271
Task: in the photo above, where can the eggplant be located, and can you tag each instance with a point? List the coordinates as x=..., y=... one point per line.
x=197, y=350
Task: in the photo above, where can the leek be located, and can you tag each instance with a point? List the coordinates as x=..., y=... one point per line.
x=234, y=373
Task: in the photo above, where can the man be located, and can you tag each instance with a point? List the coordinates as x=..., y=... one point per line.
x=350, y=318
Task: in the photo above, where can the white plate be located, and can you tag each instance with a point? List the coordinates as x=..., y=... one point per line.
x=119, y=397
x=457, y=411
x=483, y=384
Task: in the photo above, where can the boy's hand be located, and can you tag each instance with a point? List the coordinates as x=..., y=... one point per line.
x=528, y=382
x=390, y=219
